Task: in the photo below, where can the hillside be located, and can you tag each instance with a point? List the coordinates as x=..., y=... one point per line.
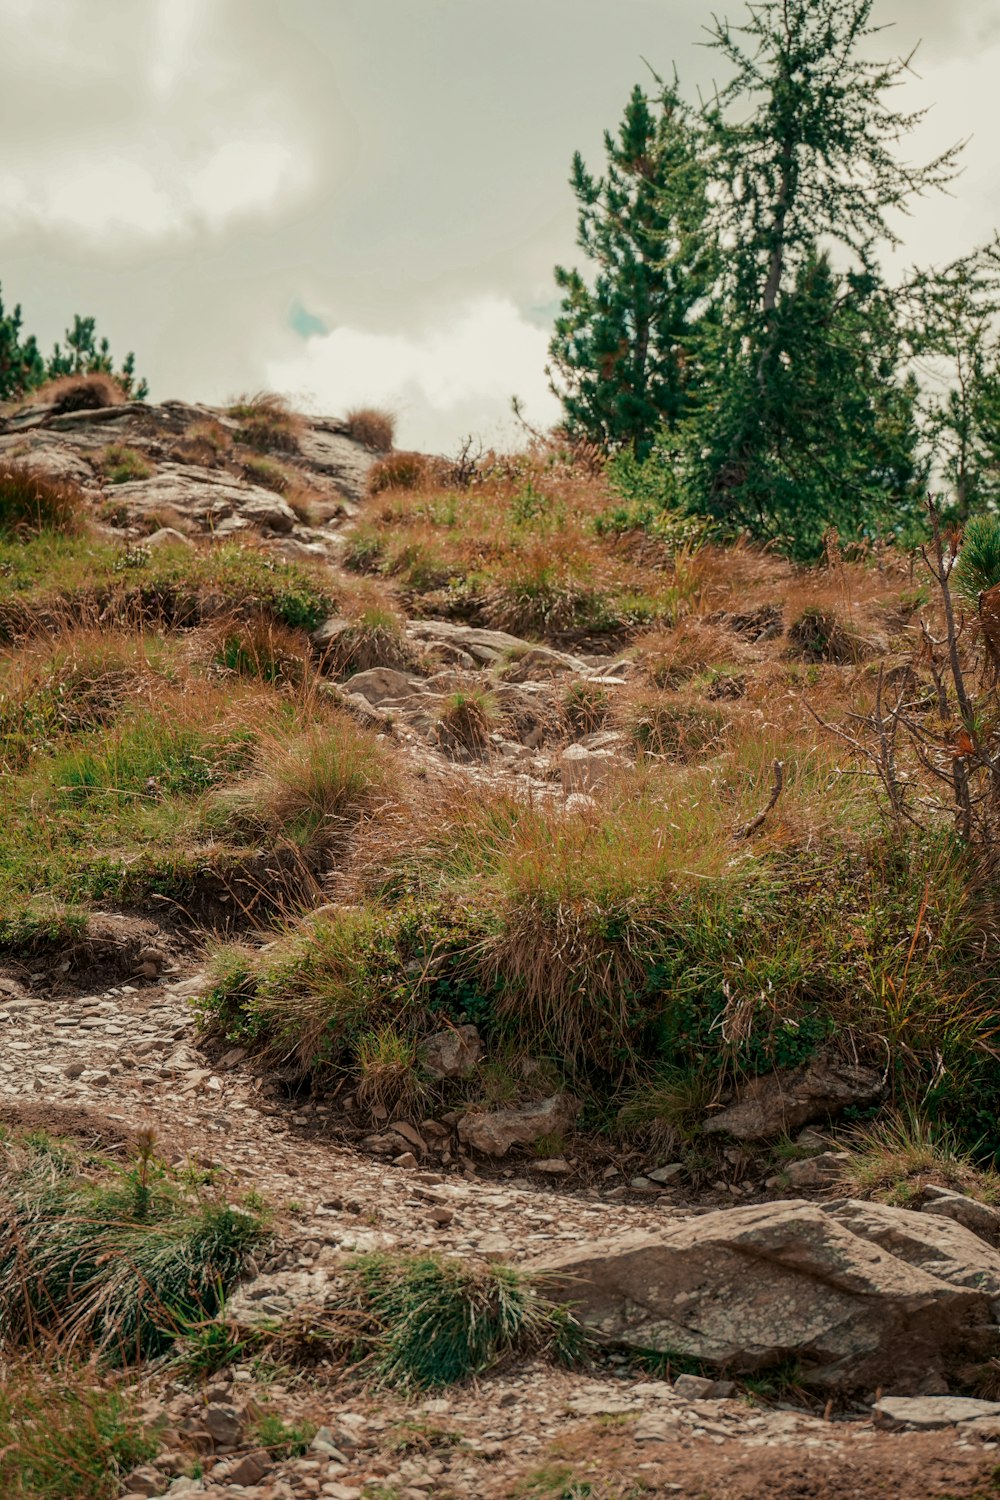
x=410, y=858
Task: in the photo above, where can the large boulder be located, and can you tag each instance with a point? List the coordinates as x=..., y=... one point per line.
x=863, y=1297
x=495, y=1131
x=775, y=1103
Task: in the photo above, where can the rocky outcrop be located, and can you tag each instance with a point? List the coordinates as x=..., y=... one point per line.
x=769, y=1106
x=862, y=1296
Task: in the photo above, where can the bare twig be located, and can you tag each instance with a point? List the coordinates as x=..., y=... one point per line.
x=758, y=822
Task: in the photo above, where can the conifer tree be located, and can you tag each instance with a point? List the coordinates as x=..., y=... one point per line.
x=955, y=337
x=802, y=152
x=622, y=350
x=21, y=363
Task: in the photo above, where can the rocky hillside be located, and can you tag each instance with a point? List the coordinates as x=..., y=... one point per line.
x=495, y=1003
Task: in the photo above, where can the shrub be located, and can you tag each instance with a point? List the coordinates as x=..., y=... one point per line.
x=818, y=635
x=372, y=427
x=31, y=503
x=66, y=1435
x=267, y=422
x=122, y=465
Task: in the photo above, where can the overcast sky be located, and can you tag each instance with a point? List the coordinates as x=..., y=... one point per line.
x=360, y=201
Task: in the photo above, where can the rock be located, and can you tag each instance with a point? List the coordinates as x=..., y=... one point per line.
x=385, y=684
x=583, y=771
x=407, y=1133
x=552, y=1166
x=407, y=1159
x=693, y=1387
x=981, y=1218
x=223, y=1424
x=942, y=1247
x=485, y=647
x=145, y=1481
x=667, y=1173
x=251, y=1468
x=452, y=1053
x=325, y=1444
x=778, y=1102
x=167, y=536
x=745, y=1288
x=441, y=1216
x=494, y=1132
x=928, y=1412
x=325, y=446
x=812, y=1171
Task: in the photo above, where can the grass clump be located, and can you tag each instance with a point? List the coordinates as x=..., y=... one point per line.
x=467, y=719
x=68, y=1435
x=119, y=464
x=436, y=1322
x=388, y=1076
x=399, y=471
x=374, y=639
x=81, y=392
x=261, y=650
x=31, y=504
x=893, y=1157
x=267, y=422
x=659, y=725
x=371, y=426
x=111, y=1259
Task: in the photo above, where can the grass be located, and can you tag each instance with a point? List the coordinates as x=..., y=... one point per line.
x=438, y=1322
x=51, y=581
x=80, y=392
x=891, y=1159
x=267, y=422
x=120, y=464
x=113, y=1260
x=371, y=426
x=68, y=1434
x=466, y=720
x=31, y=504
x=374, y=639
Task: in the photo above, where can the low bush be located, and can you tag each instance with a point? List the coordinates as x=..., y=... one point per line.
x=373, y=427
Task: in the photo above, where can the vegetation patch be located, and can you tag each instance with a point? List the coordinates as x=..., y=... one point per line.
x=119, y=464
x=114, y=1260
x=371, y=426
x=31, y=504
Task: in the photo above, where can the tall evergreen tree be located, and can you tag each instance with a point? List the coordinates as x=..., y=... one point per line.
x=21, y=362
x=621, y=352
x=801, y=149
x=828, y=438
x=955, y=336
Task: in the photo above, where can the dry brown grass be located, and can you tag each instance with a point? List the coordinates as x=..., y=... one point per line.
x=372, y=426
x=400, y=471
x=31, y=503
x=267, y=422
x=80, y=393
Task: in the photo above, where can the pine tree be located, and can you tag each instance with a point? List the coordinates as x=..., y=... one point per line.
x=21, y=363
x=955, y=337
x=622, y=348
x=801, y=152
x=83, y=355
x=828, y=438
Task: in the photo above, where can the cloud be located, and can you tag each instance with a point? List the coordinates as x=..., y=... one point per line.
x=443, y=380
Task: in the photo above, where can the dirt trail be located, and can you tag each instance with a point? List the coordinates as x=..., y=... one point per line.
x=106, y=1063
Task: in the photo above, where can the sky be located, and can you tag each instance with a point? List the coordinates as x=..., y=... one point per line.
x=361, y=201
